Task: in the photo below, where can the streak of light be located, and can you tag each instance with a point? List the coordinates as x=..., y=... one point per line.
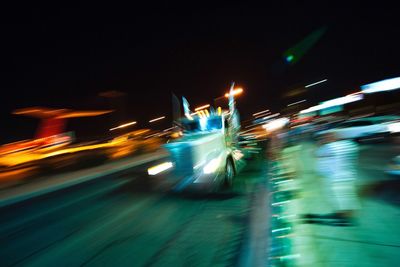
x=201, y=107
x=334, y=102
x=261, y=112
x=159, y=168
x=237, y=91
x=157, y=119
x=123, y=125
x=168, y=129
x=312, y=84
x=298, y=102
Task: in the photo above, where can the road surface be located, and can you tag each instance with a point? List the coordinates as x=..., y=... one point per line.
x=117, y=222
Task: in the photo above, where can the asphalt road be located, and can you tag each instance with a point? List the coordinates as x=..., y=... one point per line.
x=118, y=222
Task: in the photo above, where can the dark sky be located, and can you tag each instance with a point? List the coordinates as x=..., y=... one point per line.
x=63, y=56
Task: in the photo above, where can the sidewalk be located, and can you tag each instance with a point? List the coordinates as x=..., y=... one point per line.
x=375, y=241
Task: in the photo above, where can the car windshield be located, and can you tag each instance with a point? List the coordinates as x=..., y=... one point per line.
x=203, y=124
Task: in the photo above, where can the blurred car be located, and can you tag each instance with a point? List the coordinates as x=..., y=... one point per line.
x=394, y=166
x=367, y=128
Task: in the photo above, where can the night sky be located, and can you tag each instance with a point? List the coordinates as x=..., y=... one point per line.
x=64, y=56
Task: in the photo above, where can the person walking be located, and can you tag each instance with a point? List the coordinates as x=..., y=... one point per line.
x=336, y=162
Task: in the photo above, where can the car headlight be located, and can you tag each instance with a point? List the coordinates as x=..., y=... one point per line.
x=159, y=168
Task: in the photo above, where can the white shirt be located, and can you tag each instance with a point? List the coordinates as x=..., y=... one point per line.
x=337, y=160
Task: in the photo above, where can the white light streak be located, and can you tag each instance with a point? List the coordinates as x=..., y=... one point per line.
x=298, y=102
x=261, y=112
x=123, y=125
x=312, y=84
x=159, y=168
x=334, y=102
x=202, y=107
x=157, y=119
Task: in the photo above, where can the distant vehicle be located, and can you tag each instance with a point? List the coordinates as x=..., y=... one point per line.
x=394, y=166
x=368, y=128
x=51, y=148
x=50, y=138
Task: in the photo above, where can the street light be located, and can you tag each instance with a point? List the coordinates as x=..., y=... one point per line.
x=236, y=91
